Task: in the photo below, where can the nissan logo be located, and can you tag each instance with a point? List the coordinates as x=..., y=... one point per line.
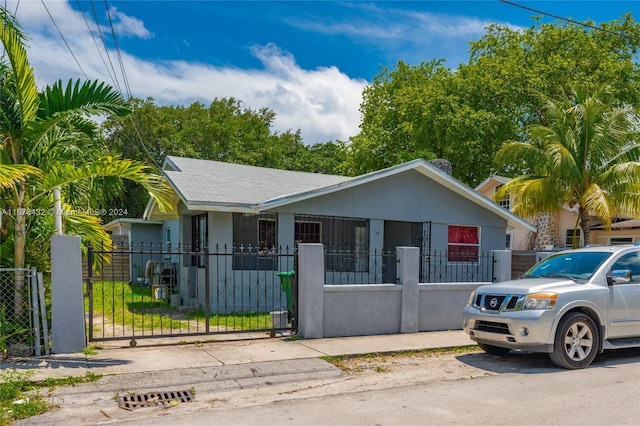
x=493, y=302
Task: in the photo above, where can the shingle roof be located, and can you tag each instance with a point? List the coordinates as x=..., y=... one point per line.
x=204, y=182
x=213, y=185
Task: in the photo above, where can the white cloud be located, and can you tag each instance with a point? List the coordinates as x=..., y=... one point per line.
x=323, y=103
x=128, y=26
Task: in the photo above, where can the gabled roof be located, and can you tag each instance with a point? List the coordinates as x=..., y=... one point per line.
x=215, y=186
x=494, y=179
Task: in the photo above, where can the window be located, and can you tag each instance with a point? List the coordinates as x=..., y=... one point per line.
x=199, y=238
x=463, y=243
x=308, y=232
x=631, y=262
x=620, y=240
x=505, y=203
x=255, y=241
x=569, y=237
x=346, y=240
x=509, y=241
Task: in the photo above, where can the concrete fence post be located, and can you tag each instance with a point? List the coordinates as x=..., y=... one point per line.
x=502, y=266
x=67, y=304
x=311, y=290
x=408, y=276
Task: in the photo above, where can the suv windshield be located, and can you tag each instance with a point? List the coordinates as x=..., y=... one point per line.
x=575, y=265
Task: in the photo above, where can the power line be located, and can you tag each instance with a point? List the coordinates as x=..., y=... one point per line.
x=104, y=43
x=115, y=42
x=65, y=41
x=112, y=77
x=584, y=24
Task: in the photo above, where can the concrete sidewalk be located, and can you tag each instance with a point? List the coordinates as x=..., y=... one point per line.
x=155, y=355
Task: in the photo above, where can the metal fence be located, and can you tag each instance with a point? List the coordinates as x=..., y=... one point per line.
x=146, y=291
x=362, y=267
x=23, y=314
x=450, y=267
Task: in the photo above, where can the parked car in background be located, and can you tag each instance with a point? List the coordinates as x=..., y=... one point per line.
x=572, y=305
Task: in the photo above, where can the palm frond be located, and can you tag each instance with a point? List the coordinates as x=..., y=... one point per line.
x=26, y=90
x=10, y=174
x=108, y=166
x=89, y=97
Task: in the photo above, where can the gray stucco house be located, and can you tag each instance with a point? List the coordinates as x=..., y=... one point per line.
x=240, y=209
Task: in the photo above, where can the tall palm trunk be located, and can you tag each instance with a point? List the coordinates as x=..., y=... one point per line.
x=585, y=223
x=19, y=246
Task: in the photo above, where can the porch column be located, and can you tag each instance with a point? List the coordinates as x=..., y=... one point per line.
x=408, y=268
x=311, y=290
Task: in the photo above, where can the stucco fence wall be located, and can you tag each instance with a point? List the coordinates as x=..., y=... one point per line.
x=372, y=309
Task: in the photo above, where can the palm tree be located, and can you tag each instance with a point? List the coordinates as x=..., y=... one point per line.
x=587, y=155
x=37, y=129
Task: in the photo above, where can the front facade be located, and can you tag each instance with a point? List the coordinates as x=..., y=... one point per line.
x=255, y=213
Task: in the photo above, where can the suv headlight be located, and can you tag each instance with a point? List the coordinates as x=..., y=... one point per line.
x=472, y=298
x=543, y=300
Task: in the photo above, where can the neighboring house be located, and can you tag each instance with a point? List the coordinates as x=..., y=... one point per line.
x=622, y=232
x=556, y=229
x=236, y=207
x=145, y=236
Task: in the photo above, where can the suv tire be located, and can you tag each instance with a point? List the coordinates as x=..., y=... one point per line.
x=576, y=343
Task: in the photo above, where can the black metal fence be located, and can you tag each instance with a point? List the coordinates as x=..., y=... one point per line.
x=363, y=267
x=146, y=290
x=438, y=267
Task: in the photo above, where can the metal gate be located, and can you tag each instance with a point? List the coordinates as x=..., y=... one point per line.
x=148, y=291
x=23, y=316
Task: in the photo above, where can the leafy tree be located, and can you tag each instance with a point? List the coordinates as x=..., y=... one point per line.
x=587, y=155
x=47, y=141
x=465, y=115
x=223, y=131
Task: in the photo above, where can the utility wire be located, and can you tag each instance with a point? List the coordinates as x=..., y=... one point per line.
x=115, y=42
x=584, y=24
x=112, y=77
x=65, y=41
x=126, y=84
x=104, y=43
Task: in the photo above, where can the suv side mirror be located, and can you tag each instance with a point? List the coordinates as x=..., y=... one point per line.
x=619, y=276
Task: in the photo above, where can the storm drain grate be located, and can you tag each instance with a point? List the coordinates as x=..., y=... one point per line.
x=153, y=399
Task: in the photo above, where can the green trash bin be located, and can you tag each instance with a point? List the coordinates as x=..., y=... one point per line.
x=286, y=281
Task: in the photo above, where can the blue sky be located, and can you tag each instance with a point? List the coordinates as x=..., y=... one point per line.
x=307, y=60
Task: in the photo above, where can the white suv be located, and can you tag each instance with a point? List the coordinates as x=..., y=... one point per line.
x=572, y=305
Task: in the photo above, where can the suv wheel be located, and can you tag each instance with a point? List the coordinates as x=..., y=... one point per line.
x=494, y=350
x=576, y=342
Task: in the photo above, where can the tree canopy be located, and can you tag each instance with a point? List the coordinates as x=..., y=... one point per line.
x=466, y=115
x=223, y=131
x=587, y=156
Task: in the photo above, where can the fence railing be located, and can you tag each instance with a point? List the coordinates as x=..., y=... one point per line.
x=21, y=295
x=166, y=290
x=442, y=266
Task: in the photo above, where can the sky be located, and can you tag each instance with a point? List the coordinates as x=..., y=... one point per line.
x=308, y=61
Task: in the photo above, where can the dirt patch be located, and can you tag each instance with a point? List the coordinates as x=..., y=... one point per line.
x=394, y=362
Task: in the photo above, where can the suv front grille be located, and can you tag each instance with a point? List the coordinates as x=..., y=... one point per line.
x=492, y=327
x=498, y=302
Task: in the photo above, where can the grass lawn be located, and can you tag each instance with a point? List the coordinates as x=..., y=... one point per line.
x=134, y=306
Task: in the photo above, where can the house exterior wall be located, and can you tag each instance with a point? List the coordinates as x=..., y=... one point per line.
x=604, y=237
x=408, y=197
x=519, y=237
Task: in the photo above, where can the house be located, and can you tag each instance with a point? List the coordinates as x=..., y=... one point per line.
x=556, y=230
x=252, y=212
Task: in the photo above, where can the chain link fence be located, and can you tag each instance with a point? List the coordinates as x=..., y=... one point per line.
x=16, y=320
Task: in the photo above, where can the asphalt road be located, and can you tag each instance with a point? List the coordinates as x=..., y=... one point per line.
x=472, y=388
